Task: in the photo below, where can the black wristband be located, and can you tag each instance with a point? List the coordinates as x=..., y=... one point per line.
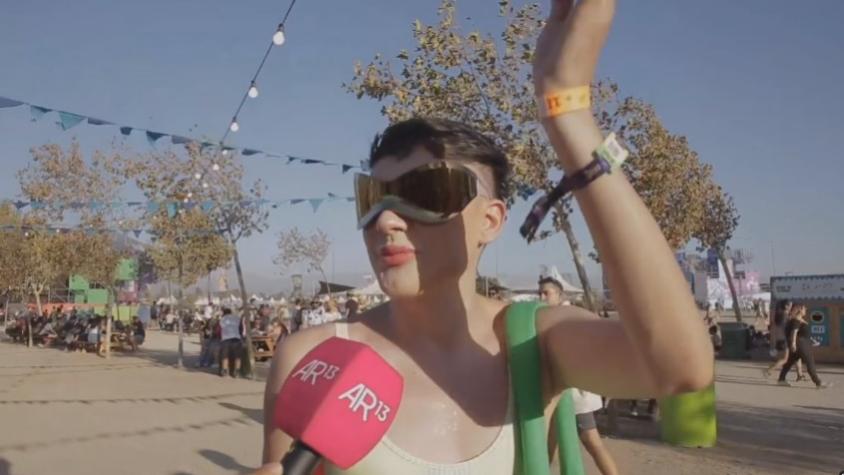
x=570, y=183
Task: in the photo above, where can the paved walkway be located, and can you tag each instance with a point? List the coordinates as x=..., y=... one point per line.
x=73, y=413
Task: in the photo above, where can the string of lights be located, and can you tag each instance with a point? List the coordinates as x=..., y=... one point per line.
x=278, y=39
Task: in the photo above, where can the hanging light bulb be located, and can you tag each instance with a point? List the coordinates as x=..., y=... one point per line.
x=278, y=36
x=190, y=194
x=215, y=167
x=185, y=200
x=225, y=152
x=205, y=184
x=26, y=234
x=234, y=127
x=253, y=90
x=198, y=176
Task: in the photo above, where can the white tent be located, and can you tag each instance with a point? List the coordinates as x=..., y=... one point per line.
x=372, y=289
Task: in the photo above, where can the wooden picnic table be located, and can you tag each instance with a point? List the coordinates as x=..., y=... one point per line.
x=263, y=347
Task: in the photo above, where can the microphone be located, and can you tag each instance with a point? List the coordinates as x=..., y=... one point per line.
x=337, y=403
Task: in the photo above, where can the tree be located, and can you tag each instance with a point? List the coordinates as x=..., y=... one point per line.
x=662, y=167
x=60, y=182
x=11, y=268
x=295, y=247
x=211, y=180
x=716, y=228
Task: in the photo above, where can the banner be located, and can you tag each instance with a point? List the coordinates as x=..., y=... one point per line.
x=68, y=120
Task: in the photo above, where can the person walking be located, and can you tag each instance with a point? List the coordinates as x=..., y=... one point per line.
x=800, y=348
x=779, y=347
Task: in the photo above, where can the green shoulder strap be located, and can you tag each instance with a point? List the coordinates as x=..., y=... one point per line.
x=526, y=380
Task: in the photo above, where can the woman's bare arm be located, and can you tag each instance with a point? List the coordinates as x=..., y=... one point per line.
x=659, y=346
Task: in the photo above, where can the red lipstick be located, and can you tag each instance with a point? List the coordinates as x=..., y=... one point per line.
x=394, y=256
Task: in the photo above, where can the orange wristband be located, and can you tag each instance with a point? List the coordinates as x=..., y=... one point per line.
x=565, y=100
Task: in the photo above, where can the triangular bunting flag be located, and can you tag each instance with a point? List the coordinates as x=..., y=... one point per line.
x=94, y=121
x=133, y=204
x=311, y=161
x=6, y=102
x=291, y=159
x=332, y=196
x=207, y=206
x=68, y=120
x=249, y=151
x=152, y=137
x=364, y=165
x=315, y=202
x=346, y=167
x=37, y=112
x=136, y=232
x=171, y=210
x=296, y=201
x=36, y=205
x=152, y=207
x=350, y=199
x=178, y=139
x=20, y=204
x=126, y=131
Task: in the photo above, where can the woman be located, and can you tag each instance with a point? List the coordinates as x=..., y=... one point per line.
x=782, y=315
x=800, y=348
x=446, y=340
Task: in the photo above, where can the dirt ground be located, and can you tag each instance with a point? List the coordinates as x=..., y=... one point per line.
x=72, y=413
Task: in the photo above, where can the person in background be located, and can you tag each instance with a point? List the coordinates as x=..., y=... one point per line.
x=277, y=330
x=206, y=335
x=800, y=348
x=231, y=346
x=585, y=403
x=331, y=313
x=264, y=316
x=352, y=309
x=137, y=333
x=779, y=346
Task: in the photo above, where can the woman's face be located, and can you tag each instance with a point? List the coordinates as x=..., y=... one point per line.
x=408, y=256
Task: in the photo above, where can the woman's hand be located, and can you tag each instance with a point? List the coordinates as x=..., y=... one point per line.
x=570, y=44
x=269, y=469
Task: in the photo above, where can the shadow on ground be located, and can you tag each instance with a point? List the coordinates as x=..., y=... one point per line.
x=256, y=415
x=783, y=441
x=225, y=461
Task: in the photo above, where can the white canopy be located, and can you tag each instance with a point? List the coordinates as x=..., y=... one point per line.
x=374, y=288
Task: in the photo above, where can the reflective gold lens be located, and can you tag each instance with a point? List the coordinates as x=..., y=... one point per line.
x=436, y=192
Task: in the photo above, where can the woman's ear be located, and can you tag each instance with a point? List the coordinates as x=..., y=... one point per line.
x=495, y=216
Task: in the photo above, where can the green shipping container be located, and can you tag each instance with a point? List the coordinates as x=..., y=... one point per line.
x=98, y=296
x=77, y=282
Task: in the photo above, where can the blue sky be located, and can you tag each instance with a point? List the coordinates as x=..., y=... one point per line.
x=755, y=85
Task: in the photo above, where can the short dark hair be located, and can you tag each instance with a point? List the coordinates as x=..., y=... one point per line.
x=445, y=140
x=549, y=280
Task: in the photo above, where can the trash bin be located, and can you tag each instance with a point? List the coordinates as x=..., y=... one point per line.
x=735, y=341
x=688, y=420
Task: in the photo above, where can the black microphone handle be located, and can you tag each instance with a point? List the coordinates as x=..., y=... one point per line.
x=300, y=459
